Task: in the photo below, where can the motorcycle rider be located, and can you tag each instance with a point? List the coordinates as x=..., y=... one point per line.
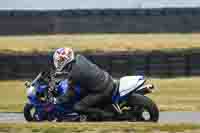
x=96, y=85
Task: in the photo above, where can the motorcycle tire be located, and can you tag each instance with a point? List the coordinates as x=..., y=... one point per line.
x=27, y=112
x=142, y=103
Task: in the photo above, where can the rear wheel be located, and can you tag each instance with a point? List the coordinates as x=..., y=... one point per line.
x=142, y=108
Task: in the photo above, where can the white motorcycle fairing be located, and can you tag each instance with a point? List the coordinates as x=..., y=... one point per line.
x=130, y=83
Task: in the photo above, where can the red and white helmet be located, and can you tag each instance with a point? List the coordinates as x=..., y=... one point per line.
x=62, y=57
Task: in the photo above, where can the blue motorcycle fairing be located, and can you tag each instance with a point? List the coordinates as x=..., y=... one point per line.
x=34, y=100
x=58, y=110
x=41, y=88
x=63, y=87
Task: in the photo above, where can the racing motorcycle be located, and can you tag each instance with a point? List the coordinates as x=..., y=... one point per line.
x=128, y=100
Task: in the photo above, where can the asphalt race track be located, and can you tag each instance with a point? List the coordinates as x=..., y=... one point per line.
x=165, y=117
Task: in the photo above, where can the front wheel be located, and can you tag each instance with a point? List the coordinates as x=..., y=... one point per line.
x=29, y=112
x=143, y=108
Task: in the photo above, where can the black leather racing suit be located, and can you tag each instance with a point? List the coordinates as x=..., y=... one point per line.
x=96, y=86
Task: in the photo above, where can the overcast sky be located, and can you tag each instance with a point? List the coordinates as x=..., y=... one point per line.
x=88, y=4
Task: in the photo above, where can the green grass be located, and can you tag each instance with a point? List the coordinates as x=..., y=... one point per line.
x=176, y=94
x=108, y=127
x=99, y=42
x=12, y=96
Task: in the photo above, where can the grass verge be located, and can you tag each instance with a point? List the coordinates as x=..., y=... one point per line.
x=100, y=42
x=12, y=96
x=108, y=127
x=175, y=94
